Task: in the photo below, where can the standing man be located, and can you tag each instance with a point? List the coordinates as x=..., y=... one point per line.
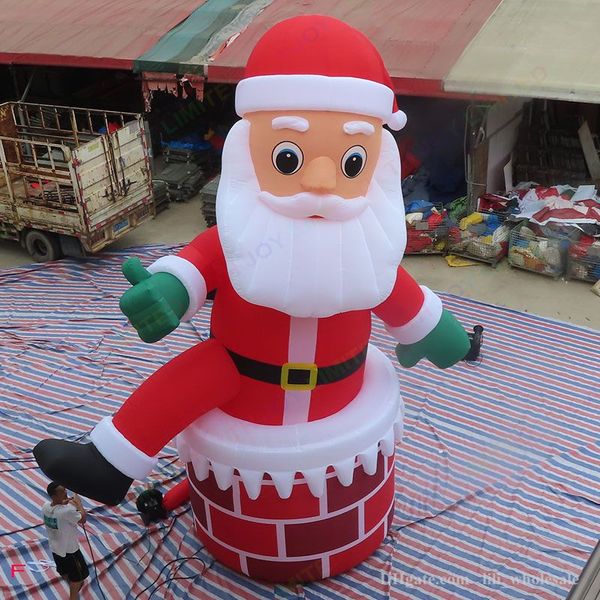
x=61, y=517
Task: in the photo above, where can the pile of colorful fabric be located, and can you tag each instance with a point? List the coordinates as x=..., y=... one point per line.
x=552, y=218
x=584, y=259
x=427, y=227
x=559, y=204
x=506, y=204
x=458, y=208
x=536, y=249
x=542, y=205
x=481, y=236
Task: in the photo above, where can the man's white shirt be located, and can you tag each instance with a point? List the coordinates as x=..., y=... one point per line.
x=61, y=526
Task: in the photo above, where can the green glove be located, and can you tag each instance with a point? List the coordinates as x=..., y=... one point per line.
x=155, y=303
x=446, y=345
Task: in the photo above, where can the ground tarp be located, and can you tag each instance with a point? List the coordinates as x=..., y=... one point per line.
x=497, y=476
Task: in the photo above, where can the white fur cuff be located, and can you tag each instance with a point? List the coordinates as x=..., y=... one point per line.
x=120, y=452
x=423, y=323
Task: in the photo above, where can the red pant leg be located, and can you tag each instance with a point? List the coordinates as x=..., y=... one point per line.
x=202, y=378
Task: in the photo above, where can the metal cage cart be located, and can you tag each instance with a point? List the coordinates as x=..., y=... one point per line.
x=583, y=261
x=427, y=241
x=537, y=253
x=429, y=235
x=487, y=243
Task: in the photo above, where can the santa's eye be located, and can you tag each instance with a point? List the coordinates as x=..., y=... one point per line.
x=287, y=158
x=353, y=161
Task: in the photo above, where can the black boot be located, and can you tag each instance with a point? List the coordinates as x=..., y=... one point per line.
x=82, y=469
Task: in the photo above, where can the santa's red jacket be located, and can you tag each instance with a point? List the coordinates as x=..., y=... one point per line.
x=260, y=364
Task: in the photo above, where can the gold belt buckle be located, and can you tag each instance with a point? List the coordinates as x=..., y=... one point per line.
x=312, y=376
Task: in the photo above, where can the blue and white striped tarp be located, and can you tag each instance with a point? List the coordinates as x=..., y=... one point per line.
x=498, y=476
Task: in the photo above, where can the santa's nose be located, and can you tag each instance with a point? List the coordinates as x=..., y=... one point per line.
x=319, y=175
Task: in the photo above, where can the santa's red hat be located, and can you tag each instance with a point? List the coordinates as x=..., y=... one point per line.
x=314, y=62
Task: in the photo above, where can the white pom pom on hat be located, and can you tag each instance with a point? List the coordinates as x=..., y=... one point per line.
x=397, y=121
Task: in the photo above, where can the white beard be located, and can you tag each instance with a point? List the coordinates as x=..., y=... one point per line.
x=310, y=267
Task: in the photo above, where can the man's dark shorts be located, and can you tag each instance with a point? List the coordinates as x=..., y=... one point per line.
x=72, y=566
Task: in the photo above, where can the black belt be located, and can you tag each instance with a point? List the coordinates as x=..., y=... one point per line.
x=297, y=376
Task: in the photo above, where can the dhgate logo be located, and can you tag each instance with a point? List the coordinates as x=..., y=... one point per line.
x=32, y=566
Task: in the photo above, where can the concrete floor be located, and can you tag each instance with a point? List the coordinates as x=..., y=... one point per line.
x=570, y=301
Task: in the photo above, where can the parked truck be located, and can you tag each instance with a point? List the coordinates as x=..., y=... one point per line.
x=72, y=180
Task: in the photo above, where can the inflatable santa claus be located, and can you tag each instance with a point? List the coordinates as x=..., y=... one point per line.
x=286, y=417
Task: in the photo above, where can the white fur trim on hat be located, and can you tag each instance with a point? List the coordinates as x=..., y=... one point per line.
x=423, y=323
x=188, y=275
x=318, y=92
x=120, y=452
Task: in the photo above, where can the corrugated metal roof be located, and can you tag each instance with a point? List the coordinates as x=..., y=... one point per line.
x=419, y=40
x=109, y=34
x=538, y=49
x=189, y=46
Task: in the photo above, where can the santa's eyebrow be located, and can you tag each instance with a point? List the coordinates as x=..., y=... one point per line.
x=290, y=122
x=354, y=127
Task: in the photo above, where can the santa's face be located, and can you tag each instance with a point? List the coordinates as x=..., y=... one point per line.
x=309, y=151
x=310, y=211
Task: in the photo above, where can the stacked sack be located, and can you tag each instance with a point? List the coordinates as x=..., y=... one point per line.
x=481, y=235
x=531, y=249
x=427, y=228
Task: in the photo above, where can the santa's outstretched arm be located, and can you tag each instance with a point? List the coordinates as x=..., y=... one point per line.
x=414, y=316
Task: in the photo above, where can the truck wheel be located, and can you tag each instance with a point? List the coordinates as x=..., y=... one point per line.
x=42, y=246
x=70, y=246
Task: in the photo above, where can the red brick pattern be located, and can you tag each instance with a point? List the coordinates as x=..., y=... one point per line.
x=339, y=496
x=377, y=506
x=224, y=555
x=209, y=489
x=391, y=460
x=288, y=573
x=199, y=508
x=269, y=505
x=248, y=536
x=342, y=561
x=322, y=536
x=248, y=541
x=390, y=518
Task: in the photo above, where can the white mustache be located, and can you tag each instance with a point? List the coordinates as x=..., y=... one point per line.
x=307, y=204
